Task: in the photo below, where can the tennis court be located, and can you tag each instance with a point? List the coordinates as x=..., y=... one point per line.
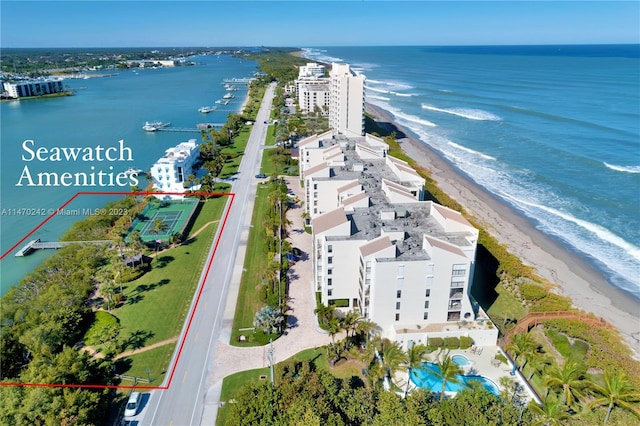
x=174, y=214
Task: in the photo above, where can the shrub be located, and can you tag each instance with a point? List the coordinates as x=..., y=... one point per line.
x=451, y=342
x=436, y=342
x=102, y=322
x=503, y=359
x=560, y=342
x=130, y=274
x=532, y=292
x=465, y=342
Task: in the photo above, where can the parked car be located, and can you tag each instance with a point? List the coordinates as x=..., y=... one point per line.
x=261, y=176
x=133, y=403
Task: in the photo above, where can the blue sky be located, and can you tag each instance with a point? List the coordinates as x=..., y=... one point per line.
x=27, y=23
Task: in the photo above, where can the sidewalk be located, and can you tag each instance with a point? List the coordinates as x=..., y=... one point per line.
x=302, y=330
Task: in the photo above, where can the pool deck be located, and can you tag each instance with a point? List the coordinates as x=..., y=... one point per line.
x=482, y=363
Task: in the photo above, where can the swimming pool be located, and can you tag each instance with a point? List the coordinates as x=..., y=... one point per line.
x=460, y=360
x=427, y=378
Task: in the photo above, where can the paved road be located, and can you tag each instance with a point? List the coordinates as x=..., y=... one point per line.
x=182, y=404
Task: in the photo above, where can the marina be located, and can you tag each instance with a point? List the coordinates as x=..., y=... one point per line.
x=112, y=109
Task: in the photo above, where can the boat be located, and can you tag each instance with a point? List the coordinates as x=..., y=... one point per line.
x=154, y=125
x=133, y=170
x=228, y=96
x=206, y=109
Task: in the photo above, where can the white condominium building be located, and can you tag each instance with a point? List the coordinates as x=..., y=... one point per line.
x=313, y=93
x=311, y=70
x=20, y=89
x=170, y=172
x=346, y=108
x=378, y=247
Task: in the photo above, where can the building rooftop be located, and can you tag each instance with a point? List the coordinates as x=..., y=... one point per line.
x=406, y=224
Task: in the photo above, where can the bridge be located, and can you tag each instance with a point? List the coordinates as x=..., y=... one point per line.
x=34, y=245
x=531, y=320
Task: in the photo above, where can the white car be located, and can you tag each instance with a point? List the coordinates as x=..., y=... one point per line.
x=132, y=404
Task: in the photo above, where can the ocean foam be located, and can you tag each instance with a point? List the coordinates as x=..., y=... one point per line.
x=625, y=169
x=413, y=119
x=471, y=151
x=617, y=255
x=470, y=113
x=382, y=98
x=319, y=55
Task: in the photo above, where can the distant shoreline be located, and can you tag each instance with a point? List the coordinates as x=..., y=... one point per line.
x=573, y=275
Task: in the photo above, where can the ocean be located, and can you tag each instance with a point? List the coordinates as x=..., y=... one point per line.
x=104, y=111
x=554, y=131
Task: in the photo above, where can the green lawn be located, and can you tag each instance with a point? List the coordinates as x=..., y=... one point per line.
x=271, y=135
x=235, y=151
x=255, y=263
x=157, y=303
x=156, y=360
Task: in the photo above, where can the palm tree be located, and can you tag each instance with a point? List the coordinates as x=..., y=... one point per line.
x=268, y=318
x=393, y=357
x=617, y=390
x=570, y=380
x=448, y=370
x=158, y=226
x=324, y=314
x=350, y=321
x=415, y=357
x=334, y=327
x=522, y=346
x=552, y=412
x=365, y=327
x=375, y=373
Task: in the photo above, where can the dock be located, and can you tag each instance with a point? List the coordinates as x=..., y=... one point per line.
x=34, y=245
x=201, y=126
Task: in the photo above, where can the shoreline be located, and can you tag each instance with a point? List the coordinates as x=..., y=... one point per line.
x=571, y=274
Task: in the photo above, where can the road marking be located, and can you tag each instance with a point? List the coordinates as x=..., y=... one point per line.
x=184, y=376
x=195, y=338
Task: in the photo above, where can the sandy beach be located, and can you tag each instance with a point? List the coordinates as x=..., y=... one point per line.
x=572, y=275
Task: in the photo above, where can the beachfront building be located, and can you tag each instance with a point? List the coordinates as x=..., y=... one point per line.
x=312, y=88
x=169, y=173
x=313, y=94
x=379, y=248
x=39, y=87
x=346, y=103
x=311, y=70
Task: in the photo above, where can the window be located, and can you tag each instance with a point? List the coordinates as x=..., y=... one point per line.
x=426, y=315
x=397, y=317
x=400, y=270
x=457, y=282
x=330, y=248
x=399, y=294
x=426, y=304
x=397, y=305
x=427, y=293
x=430, y=269
x=429, y=281
x=459, y=269
x=329, y=271
x=330, y=259
x=329, y=292
x=329, y=281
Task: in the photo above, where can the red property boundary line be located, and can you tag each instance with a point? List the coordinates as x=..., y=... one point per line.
x=195, y=306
